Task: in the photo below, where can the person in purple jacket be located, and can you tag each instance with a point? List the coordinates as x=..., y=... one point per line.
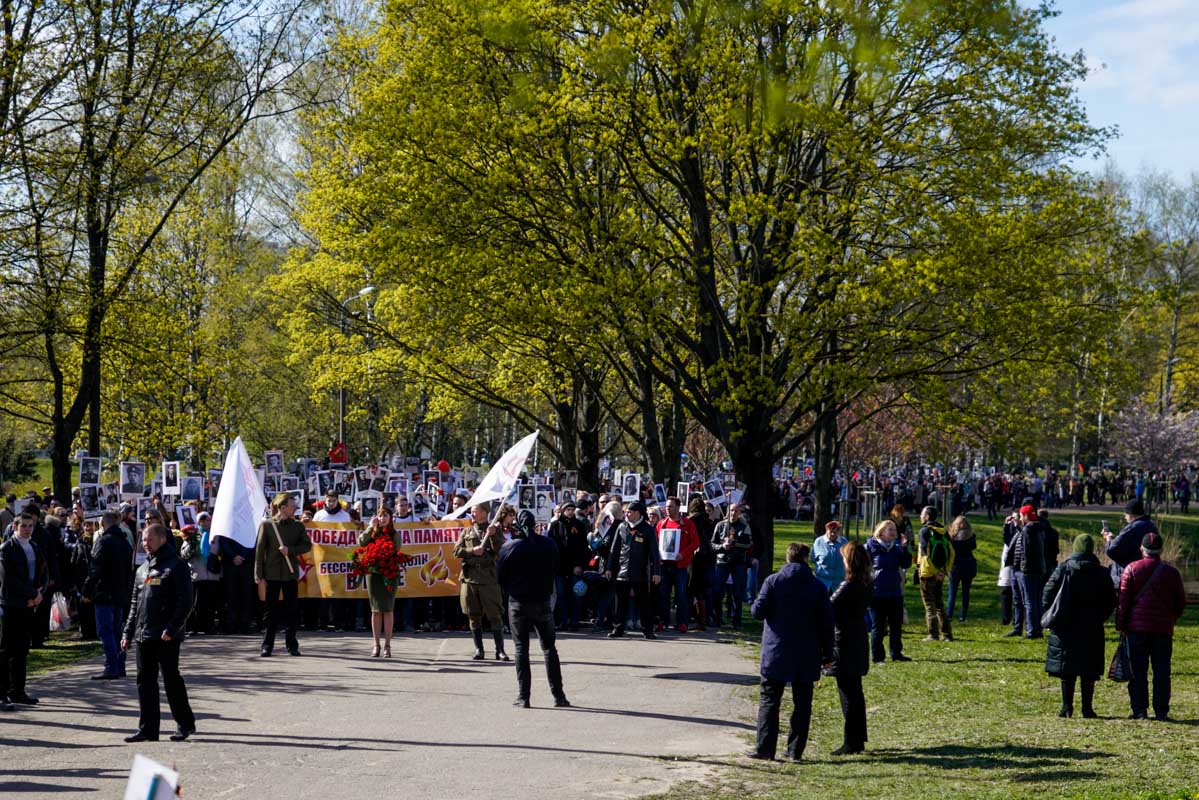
x=889, y=557
x=797, y=640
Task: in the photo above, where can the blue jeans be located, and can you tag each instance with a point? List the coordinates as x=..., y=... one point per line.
x=751, y=583
x=109, y=622
x=1026, y=595
x=674, y=578
x=723, y=571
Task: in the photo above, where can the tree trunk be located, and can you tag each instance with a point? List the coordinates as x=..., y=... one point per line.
x=827, y=451
x=752, y=463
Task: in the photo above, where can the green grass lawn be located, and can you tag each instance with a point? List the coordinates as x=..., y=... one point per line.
x=63, y=650
x=977, y=717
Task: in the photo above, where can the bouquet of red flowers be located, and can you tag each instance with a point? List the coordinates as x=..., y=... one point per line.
x=379, y=557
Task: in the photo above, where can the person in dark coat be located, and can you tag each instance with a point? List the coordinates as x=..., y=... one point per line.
x=162, y=599
x=49, y=541
x=634, y=564
x=797, y=640
x=526, y=567
x=965, y=565
x=108, y=586
x=851, y=660
x=23, y=587
x=1125, y=547
x=888, y=559
x=1075, y=644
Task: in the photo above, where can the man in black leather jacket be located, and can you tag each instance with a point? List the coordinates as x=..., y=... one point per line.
x=162, y=600
x=635, y=563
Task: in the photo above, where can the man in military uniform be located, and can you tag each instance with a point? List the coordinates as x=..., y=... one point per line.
x=479, y=590
x=280, y=540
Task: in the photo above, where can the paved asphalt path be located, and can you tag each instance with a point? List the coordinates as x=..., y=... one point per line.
x=430, y=723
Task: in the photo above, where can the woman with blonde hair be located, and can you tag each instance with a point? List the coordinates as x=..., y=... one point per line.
x=888, y=560
x=609, y=519
x=965, y=566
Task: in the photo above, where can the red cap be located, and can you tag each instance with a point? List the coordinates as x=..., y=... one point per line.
x=1028, y=511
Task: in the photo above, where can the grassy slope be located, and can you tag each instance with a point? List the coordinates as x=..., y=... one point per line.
x=976, y=717
x=63, y=650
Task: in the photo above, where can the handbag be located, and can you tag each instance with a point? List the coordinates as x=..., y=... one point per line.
x=1058, y=614
x=1120, y=670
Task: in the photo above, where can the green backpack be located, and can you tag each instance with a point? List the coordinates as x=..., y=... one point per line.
x=939, y=547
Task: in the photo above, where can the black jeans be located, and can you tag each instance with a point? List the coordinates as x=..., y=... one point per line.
x=768, y=717
x=646, y=603
x=887, y=613
x=1144, y=649
x=281, y=612
x=238, y=582
x=14, y=649
x=153, y=656
x=525, y=618
x=853, y=708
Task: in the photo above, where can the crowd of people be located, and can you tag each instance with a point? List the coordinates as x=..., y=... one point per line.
x=961, y=492
x=835, y=607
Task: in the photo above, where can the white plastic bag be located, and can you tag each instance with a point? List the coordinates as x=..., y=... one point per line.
x=60, y=615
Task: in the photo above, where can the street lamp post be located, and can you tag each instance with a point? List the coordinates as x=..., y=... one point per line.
x=341, y=389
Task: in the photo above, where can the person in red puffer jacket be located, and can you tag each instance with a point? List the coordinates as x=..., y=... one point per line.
x=675, y=570
x=1152, y=599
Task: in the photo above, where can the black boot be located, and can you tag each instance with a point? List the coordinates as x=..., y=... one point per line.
x=1088, y=698
x=1067, y=697
x=500, y=655
x=478, y=634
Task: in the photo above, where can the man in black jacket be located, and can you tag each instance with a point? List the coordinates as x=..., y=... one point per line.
x=109, y=581
x=49, y=541
x=732, y=541
x=635, y=563
x=569, y=533
x=1026, y=557
x=526, y=567
x=22, y=589
x=162, y=599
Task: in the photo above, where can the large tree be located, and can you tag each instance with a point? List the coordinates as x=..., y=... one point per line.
x=775, y=208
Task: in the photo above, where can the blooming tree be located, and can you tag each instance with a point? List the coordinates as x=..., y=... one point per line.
x=1154, y=441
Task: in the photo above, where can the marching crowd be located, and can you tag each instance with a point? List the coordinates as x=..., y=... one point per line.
x=835, y=607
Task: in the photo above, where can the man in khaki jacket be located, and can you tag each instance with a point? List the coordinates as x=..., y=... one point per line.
x=281, y=540
x=479, y=591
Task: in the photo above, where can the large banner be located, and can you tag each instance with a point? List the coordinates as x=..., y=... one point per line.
x=431, y=571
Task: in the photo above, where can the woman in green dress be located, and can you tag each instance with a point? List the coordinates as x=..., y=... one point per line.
x=382, y=596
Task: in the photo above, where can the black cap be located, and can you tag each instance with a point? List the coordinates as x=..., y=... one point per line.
x=1152, y=543
x=1135, y=507
x=637, y=506
x=569, y=504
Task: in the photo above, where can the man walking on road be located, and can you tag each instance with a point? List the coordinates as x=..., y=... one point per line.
x=526, y=567
x=162, y=599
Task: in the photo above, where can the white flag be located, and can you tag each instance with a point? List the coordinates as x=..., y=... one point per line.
x=501, y=480
x=240, y=504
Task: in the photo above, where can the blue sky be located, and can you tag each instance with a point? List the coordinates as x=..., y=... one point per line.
x=1143, y=57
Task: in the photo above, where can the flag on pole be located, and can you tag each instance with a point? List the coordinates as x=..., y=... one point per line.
x=501, y=480
x=240, y=504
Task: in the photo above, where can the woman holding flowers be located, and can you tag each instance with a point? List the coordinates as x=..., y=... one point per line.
x=378, y=557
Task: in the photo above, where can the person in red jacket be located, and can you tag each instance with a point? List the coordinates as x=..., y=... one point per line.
x=1152, y=599
x=678, y=541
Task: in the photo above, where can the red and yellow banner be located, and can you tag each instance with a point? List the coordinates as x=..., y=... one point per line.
x=432, y=569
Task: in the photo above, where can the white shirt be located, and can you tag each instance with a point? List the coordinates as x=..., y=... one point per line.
x=324, y=516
